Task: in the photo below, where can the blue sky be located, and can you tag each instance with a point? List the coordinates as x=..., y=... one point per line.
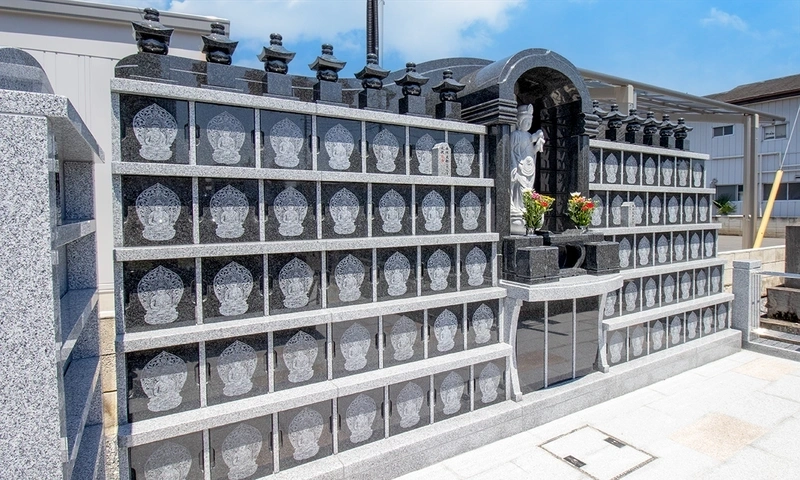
x=694, y=46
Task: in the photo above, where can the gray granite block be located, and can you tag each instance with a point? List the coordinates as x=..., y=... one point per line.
x=81, y=260
x=88, y=343
x=80, y=381
x=69, y=232
x=78, y=180
x=75, y=309
x=792, y=255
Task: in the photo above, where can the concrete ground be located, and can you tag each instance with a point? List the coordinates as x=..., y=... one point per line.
x=728, y=243
x=736, y=418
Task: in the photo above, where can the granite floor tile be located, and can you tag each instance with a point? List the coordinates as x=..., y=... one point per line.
x=783, y=440
x=768, y=368
x=538, y=463
x=490, y=456
x=752, y=463
x=437, y=471
x=506, y=471
x=787, y=387
x=678, y=383
x=761, y=409
x=718, y=436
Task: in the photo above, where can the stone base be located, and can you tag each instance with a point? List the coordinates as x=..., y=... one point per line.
x=149, y=66
x=278, y=84
x=527, y=260
x=371, y=99
x=612, y=135
x=602, y=258
x=667, y=142
x=411, y=105
x=651, y=140
x=330, y=92
x=448, y=110
x=634, y=137
x=783, y=303
x=682, y=144
x=221, y=76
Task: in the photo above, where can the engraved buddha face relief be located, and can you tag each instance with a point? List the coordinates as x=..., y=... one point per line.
x=396, y=272
x=156, y=130
x=464, y=156
x=597, y=213
x=669, y=289
x=344, y=210
x=611, y=168
x=475, y=266
x=657, y=335
x=409, y=404
x=433, y=208
x=403, y=337
x=226, y=135
x=236, y=367
x=349, y=275
x=305, y=430
x=169, y=462
x=444, y=329
x=611, y=301
x=240, y=450
x=424, y=154
x=691, y=325
x=229, y=209
x=615, y=347
x=232, y=287
x=649, y=171
x=482, y=321
x=392, y=209
x=286, y=140
x=158, y=208
x=295, y=280
x=488, y=382
x=675, y=330
x=160, y=292
x=637, y=340
x=359, y=417
x=385, y=147
x=450, y=393
x=624, y=253
x=339, y=144
x=355, y=345
x=666, y=171
x=290, y=208
x=438, y=270
x=162, y=380
x=655, y=210
x=470, y=210
x=299, y=355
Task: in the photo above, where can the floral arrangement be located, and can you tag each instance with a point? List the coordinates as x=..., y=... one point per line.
x=536, y=205
x=579, y=209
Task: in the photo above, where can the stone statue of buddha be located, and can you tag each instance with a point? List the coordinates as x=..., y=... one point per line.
x=524, y=147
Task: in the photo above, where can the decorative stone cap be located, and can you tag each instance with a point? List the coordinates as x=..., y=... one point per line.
x=217, y=46
x=412, y=80
x=448, y=88
x=326, y=65
x=275, y=57
x=372, y=74
x=151, y=36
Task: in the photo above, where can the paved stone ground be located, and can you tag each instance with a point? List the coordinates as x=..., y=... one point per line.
x=736, y=418
x=729, y=243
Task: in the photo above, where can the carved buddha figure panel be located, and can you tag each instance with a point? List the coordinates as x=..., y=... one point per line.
x=465, y=148
x=362, y=419
x=405, y=337
x=676, y=330
x=697, y=173
x=355, y=348
x=692, y=326
x=599, y=213
x=229, y=210
x=722, y=316
x=290, y=209
x=490, y=383
x=656, y=210
x=482, y=323
x=344, y=210
x=650, y=171
x=176, y=458
x=287, y=140
x=226, y=135
x=438, y=269
x=158, y=294
x=446, y=330
x=470, y=210
x=156, y=211
x=386, y=148
x=242, y=450
x=637, y=340
x=397, y=273
x=668, y=289
x=667, y=172
x=433, y=210
x=306, y=434
x=421, y=143
x=410, y=408
x=232, y=287
x=339, y=145
x=301, y=356
x=391, y=210
x=349, y=277
x=594, y=172
x=657, y=335
x=452, y=393
x=163, y=381
x=294, y=282
x=611, y=168
x=237, y=368
x=476, y=268
x=708, y=321
x=617, y=353
x=153, y=130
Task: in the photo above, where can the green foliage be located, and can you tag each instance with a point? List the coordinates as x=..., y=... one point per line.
x=724, y=205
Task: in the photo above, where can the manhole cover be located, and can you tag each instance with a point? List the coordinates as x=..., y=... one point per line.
x=597, y=454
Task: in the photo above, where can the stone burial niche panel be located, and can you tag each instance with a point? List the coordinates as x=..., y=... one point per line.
x=421, y=143
x=446, y=330
x=470, y=208
x=476, y=265
x=405, y=338
x=489, y=383
x=242, y=450
x=305, y=434
x=233, y=288
x=355, y=347
x=439, y=269
x=162, y=381
x=300, y=356
x=225, y=135
x=290, y=209
x=397, y=273
x=482, y=323
x=286, y=140
x=339, y=145
x=294, y=282
x=344, y=210
x=451, y=394
x=392, y=210
x=178, y=457
x=156, y=211
x=433, y=211
x=153, y=130
x=386, y=148
x=466, y=154
x=236, y=368
x=409, y=405
x=349, y=277
x=228, y=210
x=158, y=294
x=360, y=419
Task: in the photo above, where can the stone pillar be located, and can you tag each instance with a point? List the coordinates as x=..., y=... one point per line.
x=499, y=167
x=792, y=255
x=747, y=295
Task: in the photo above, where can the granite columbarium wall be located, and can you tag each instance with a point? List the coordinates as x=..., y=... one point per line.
x=322, y=277
x=51, y=408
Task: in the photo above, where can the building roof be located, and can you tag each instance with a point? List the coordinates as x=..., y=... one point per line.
x=761, y=91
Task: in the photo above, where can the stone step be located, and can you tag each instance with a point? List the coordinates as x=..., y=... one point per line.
x=767, y=334
x=780, y=325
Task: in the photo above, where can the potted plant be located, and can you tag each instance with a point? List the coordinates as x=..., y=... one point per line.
x=725, y=205
x=536, y=205
x=579, y=210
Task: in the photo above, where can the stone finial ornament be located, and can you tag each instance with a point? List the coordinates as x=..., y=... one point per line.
x=681, y=132
x=597, y=110
x=372, y=74
x=217, y=47
x=412, y=81
x=613, y=121
x=650, y=125
x=448, y=88
x=326, y=65
x=151, y=36
x=633, y=127
x=275, y=57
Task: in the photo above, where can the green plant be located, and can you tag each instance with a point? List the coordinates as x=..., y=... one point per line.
x=536, y=205
x=725, y=205
x=579, y=209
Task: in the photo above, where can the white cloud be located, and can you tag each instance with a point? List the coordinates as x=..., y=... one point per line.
x=723, y=19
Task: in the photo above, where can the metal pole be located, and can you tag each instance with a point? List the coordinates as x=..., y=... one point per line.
x=750, y=203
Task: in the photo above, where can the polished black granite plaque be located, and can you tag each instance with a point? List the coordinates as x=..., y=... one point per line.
x=182, y=456
x=386, y=152
x=483, y=323
x=242, y=450
x=439, y=269
x=360, y=419
x=162, y=381
x=294, y=282
x=391, y=210
x=349, y=277
x=237, y=368
x=305, y=434
x=404, y=338
x=451, y=391
x=225, y=135
x=233, y=288
x=433, y=210
x=470, y=210
x=445, y=330
x=489, y=382
x=476, y=265
x=290, y=209
x=466, y=154
x=586, y=318
x=344, y=210
x=286, y=140
x=560, y=336
x=156, y=211
x=355, y=347
x=650, y=293
x=530, y=346
x=409, y=405
x=339, y=144
x=397, y=273
x=158, y=294
x=658, y=334
x=300, y=356
x=421, y=143
x=153, y=130
x=228, y=210
x=617, y=347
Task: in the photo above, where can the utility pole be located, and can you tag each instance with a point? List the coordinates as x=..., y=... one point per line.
x=372, y=27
